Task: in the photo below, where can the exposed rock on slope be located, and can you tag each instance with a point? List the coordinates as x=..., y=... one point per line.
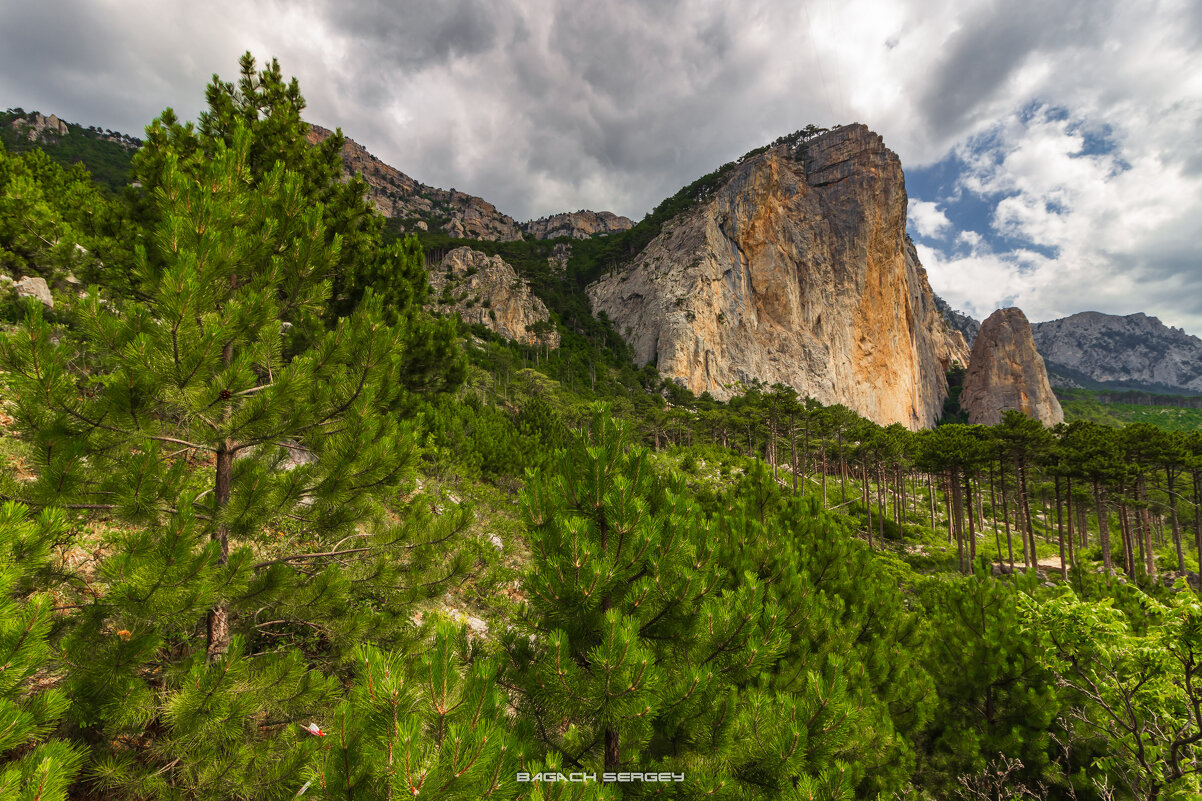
x=397, y=195
x=1135, y=349
x=1005, y=372
x=796, y=270
x=485, y=290
x=959, y=320
x=35, y=126
x=577, y=225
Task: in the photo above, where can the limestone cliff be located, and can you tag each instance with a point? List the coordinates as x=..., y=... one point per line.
x=485, y=290
x=577, y=225
x=1005, y=372
x=397, y=195
x=796, y=269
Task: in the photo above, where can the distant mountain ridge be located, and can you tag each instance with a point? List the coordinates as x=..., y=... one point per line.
x=1134, y=348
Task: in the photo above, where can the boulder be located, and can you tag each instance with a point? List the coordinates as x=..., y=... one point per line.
x=35, y=287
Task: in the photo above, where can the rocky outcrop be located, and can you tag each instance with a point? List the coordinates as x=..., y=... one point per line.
x=34, y=287
x=796, y=269
x=560, y=254
x=485, y=290
x=577, y=225
x=397, y=195
x=958, y=320
x=1135, y=350
x=35, y=126
x=1006, y=372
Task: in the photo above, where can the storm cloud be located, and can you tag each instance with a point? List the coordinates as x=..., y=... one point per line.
x=1064, y=134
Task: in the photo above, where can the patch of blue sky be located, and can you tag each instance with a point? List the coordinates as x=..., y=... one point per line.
x=965, y=209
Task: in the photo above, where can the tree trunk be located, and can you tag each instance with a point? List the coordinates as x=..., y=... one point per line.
x=1006, y=512
x=1024, y=508
x=957, y=515
x=218, y=625
x=1197, y=478
x=947, y=502
x=1060, y=531
x=1103, y=528
x=972, y=532
x=867, y=503
x=931, y=497
x=1146, y=519
x=1128, y=540
x=842, y=468
x=793, y=450
x=613, y=754
x=880, y=497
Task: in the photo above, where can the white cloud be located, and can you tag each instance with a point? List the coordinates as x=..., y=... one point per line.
x=928, y=220
x=1118, y=222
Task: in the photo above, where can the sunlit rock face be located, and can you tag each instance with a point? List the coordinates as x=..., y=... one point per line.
x=1006, y=373
x=797, y=270
x=486, y=290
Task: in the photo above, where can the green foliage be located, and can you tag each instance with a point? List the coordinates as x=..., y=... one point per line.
x=429, y=724
x=35, y=763
x=54, y=221
x=1137, y=680
x=995, y=696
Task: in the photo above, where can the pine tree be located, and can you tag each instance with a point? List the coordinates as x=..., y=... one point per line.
x=995, y=696
x=431, y=726
x=34, y=764
x=249, y=482
x=852, y=654
x=637, y=638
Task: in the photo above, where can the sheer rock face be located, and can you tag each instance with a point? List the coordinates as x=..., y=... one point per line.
x=485, y=290
x=577, y=225
x=797, y=270
x=1005, y=372
x=397, y=195
x=1131, y=349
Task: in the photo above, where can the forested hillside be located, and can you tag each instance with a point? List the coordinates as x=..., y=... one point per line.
x=271, y=529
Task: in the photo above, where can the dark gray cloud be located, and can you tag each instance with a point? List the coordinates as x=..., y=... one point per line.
x=995, y=43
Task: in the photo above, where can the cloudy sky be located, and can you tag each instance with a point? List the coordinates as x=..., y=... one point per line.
x=1053, y=149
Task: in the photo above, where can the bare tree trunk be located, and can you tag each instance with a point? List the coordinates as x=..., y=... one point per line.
x=1006, y=512
x=793, y=450
x=1145, y=517
x=957, y=513
x=1024, y=508
x=1128, y=540
x=1196, y=475
x=931, y=498
x=1060, y=531
x=867, y=503
x=1103, y=528
x=972, y=532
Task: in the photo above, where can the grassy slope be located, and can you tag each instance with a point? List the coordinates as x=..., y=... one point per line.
x=1082, y=404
